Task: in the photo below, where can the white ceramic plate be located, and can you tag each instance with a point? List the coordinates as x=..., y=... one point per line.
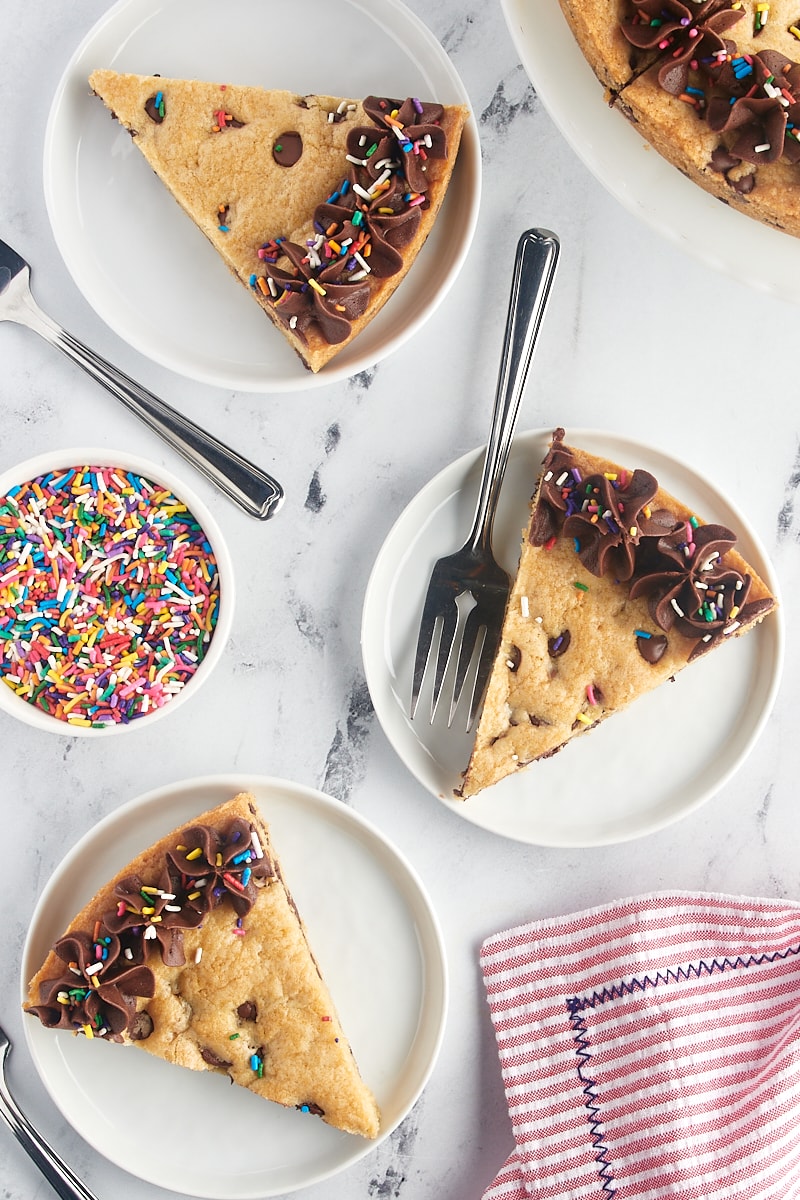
x=633, y=171
x=144, y=267
x=380, y=949
x=656, y=761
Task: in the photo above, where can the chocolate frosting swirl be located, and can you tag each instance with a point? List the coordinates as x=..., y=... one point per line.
x=386, y=224
x=688, y=585
x=105, y=973
x=558, y=480
x=612, y=519
x=362, y=229
x=680, y=567
x=412, y=126
x=332, y=305
x=606, y=517
x=160, y=912
x=683, y=35
x=749, y=98
x=759, y=126
x=758, y=122
x=87, y=996
x=227, y=864
x=672, y=27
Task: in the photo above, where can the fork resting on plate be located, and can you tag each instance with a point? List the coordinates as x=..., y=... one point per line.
x=467, y=594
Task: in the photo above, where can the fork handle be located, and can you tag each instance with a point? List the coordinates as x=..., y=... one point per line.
x=251, y=488
x=534, y=268
x=61, y=1178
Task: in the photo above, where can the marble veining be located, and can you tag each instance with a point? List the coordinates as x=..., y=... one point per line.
x=788, y=516
x=639, y=339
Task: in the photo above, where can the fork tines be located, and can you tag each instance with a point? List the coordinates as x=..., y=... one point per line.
x=459, y=638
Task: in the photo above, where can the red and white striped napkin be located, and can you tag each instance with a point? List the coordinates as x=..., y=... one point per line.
x=651, y=1048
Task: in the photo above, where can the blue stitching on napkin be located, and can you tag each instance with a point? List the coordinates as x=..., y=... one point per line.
x=577, y=1005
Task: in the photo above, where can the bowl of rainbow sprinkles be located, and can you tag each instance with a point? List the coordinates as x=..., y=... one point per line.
x=116, y=592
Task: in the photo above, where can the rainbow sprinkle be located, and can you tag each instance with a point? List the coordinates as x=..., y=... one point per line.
x=109, y=594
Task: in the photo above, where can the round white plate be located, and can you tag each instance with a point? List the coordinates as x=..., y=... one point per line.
x=143, y=265
x=378, y=945
x=632, y=171
x=653, y=763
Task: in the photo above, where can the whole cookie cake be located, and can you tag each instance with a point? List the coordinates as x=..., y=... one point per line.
x=713, y=86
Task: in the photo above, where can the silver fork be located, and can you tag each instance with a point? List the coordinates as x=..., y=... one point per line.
x=464, y=606
x=61, y=1177
x=251, y=488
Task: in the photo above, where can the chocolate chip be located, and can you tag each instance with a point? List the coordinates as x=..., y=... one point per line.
x=556, y=646
x=652, y=648
x=287, y=149
x=156, y=112
x=534, y=720
x=142, y=1026
x=745, y=185
x=247, y=1011
x=213, y=1059
x=310, y=1107
x=513, y=658
x=722, y=160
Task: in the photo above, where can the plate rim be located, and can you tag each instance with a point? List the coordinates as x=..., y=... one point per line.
x=435, y=983
x=296, y=378
x=374, y=633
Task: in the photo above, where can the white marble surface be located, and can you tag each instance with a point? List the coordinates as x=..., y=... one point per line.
x=639, y=339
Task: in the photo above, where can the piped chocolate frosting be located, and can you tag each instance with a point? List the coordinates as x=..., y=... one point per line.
x=361, y=230
x=105, y=971
x=680, y=566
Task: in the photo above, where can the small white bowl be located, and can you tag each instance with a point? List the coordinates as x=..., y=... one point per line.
x=58, y=460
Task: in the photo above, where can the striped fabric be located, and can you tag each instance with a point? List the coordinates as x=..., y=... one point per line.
x=651, y=1048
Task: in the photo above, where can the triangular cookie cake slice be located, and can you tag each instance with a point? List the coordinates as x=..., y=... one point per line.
x=195, y=951
x=619, y=587
x=318, y=204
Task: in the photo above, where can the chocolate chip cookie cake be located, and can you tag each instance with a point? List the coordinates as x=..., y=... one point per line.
x=319, y=205
x=620, y=586
x=195, y=951
x=713, y=86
